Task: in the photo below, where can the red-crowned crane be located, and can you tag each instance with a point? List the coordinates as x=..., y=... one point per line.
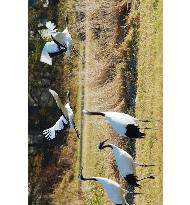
x=125, y=163
x=114, y=191
x=66, y=120
x=124, y=124
x=62, y=42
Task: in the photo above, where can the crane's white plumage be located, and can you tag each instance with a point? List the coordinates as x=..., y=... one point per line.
x=119, y=121
x=66, y=109
x=120, y=117
x=50, y=47
x=62, y=42
x=67, y=40
x=51, y=27
x=70, y=115
x=64, y=38
x=59, y=125
x=124, y=124
x=114, y=191
x=124, y=161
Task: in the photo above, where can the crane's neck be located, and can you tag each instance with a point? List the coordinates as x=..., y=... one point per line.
x=89, y=179
x=94, y=113
x=66, y=21
x=107, y=146
x=68, y=97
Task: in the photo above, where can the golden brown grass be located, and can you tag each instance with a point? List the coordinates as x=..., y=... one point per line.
x=102, y=93
x=108, y=58
x=149, y=103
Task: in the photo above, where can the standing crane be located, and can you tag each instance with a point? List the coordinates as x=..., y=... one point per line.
x=114, y=191
x=125, y=163
x=124, y=124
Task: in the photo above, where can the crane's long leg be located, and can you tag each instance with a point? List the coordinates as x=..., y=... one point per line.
x=149, y=177
x=144, y=165
x=153, y=120
x=149, y=128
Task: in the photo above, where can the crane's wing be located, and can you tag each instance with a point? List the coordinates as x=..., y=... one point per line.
x=48, y=32
x=58, y=101
x=68, y=41
x=49, y=48
x=46, y=36
x=51, y=27
x=45, y=57
x=59, y=125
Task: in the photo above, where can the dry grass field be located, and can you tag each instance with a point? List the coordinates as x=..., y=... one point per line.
x=123, y=72
x=149, y=95
x=118, y=68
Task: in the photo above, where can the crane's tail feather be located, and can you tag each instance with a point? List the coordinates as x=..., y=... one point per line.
x=132, y=180
x=148, y=177
x=133, y=131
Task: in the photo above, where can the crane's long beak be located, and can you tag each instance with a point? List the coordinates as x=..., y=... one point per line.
x=104, y=141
